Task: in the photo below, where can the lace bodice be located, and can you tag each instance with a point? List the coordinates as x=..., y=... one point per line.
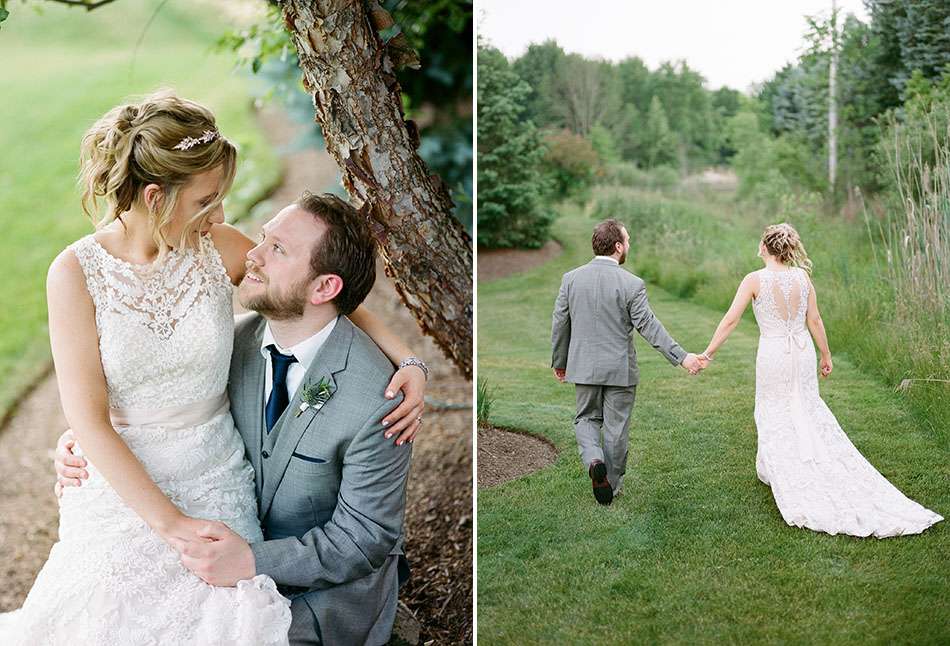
x=782, y=302
x=165, y=337
x=165, y=331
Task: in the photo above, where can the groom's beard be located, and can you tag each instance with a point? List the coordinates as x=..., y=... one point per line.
x=622, y=259
x=277, y=306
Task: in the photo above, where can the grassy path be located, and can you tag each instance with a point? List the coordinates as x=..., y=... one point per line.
x=694, y=551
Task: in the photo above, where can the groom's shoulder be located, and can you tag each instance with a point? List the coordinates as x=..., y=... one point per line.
x=366, y=366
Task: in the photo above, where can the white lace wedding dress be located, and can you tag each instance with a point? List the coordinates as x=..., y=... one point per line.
x=165, y=340
x=818, y=478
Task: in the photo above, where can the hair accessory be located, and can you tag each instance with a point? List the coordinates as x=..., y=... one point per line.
x=190, y=142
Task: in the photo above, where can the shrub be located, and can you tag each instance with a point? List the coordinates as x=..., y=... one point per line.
x=571, y=163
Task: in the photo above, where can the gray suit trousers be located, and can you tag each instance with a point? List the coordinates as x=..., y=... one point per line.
x=602, y=427
x=303, y=625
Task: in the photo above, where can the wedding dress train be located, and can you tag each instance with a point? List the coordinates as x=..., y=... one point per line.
x=818, y=478
x=165, y=337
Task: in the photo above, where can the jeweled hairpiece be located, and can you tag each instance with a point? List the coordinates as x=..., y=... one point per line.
x=191, y=142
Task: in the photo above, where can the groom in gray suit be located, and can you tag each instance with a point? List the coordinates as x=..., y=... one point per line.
x=597, y=308
x=307, y=395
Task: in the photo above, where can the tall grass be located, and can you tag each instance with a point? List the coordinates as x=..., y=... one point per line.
x=486, y=399
x=699, y=245
x=914, y=254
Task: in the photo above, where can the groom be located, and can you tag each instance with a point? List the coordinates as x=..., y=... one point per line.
x=331, y=490
x=597, y=308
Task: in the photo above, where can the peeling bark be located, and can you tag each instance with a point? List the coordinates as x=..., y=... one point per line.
x=358, y=104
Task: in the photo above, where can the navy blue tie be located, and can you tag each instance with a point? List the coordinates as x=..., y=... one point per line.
x=278, y=400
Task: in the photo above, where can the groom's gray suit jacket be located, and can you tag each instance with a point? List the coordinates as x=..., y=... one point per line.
x=331, y=488
x=597, y=308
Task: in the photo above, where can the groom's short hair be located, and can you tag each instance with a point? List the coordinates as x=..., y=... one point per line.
x=346, y=249
x=606, y=236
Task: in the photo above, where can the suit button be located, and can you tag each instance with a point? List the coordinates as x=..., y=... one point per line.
x=265, y=454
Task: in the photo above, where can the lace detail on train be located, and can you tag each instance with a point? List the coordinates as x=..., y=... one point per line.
x=818, y=478
x=165, y=337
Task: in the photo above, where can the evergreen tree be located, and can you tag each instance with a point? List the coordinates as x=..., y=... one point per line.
x=510, y=181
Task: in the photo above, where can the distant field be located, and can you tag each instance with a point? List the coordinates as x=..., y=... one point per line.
x=62, y=69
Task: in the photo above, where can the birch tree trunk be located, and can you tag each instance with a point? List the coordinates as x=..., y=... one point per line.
x=833, y=101
x=358, y=104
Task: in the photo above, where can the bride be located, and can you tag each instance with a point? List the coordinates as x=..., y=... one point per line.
x=141, y=325
x=818, y=478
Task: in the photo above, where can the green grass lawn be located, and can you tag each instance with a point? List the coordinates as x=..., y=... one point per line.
x=694, y=551
x=62, y=69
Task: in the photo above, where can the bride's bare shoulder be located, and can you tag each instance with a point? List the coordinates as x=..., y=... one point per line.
x=751, y=282
x=65, y=279
x=232, y=246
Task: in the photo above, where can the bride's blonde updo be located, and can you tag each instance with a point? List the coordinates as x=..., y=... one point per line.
x=783, y=242
x=134, y=145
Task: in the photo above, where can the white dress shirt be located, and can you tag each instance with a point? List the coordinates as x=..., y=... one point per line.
x=304, y=351
x=611, y=258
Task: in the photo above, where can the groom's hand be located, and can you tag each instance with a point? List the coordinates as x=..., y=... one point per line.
x=70, y=468
x=406, y=419
x=560, y=374
x=223, y=561
x=692, y=364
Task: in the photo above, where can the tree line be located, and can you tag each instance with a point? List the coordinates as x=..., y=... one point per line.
x=553, y=122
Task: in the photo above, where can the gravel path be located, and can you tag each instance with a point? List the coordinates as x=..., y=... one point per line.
x=439, y=510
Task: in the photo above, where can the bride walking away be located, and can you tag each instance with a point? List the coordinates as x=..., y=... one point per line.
x=818, y=478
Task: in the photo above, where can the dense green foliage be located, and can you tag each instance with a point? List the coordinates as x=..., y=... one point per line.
x=694, y=551
x=71, y=67
x=881, y=65
x=511, y=184
x=663, y=116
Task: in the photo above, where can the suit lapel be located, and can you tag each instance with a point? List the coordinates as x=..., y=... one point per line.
x=330, y=360
x=252, y=398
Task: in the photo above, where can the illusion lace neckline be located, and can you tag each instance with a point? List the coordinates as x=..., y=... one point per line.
x=173, y=252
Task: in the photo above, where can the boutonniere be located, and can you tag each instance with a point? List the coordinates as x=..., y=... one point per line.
x=314, y=396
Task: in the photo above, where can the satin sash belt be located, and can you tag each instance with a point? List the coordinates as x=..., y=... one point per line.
x=800, y=339
x=193, y=414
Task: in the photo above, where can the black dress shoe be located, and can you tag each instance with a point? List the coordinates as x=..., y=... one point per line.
x=603, y=492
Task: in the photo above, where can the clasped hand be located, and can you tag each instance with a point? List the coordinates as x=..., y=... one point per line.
x=211, y=550
x=696, y=363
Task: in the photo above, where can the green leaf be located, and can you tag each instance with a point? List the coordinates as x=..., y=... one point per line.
x=3, y=14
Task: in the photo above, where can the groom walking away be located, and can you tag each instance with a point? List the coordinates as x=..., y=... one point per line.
x=597, y=308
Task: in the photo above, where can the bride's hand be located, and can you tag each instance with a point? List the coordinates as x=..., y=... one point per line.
x=406, y=419
x=70, y=468
x=826, y=366
x=182, y=530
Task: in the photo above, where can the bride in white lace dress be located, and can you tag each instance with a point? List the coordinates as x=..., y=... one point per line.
x=141, y=340
x=818, y=478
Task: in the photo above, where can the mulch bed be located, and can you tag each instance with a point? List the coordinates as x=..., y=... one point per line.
x=498, y=263
x=506, y=455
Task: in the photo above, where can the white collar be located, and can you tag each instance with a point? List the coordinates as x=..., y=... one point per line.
x=610, y=258
x=304, y=351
